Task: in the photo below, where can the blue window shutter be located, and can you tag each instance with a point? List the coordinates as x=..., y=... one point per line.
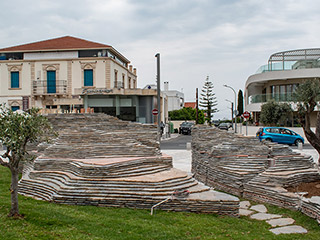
x=51, y=82
x=88, y=77
x=15, y=80
x=15, y=108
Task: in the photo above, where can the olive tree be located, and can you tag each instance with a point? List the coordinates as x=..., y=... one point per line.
x=273, y=113
x=307, y=96
x=17, y=130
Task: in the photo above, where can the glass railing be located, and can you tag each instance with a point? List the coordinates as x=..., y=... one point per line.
x=262, y=98
x=288, y=65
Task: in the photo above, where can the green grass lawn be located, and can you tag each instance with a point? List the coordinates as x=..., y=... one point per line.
x=44, y=220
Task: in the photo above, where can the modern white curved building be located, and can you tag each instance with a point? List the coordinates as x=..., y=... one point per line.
x=280, y=77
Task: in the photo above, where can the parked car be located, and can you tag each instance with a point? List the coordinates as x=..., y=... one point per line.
x=216, y=123
x=225, y=126
x=185, y=128
x=279, y=135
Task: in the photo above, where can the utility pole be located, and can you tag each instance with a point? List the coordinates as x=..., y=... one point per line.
x=158, y=96
x=197, y=106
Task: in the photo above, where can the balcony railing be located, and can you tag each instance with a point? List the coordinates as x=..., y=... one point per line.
x=41, y=87
x=118, y=84
x=262, y=98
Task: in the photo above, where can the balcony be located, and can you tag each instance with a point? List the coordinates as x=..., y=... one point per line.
x=262, y=98
x=41, y=87
x=118, y=84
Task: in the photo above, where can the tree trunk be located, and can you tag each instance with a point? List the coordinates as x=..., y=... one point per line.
x=318, y=125
x=312, y=137
x=14, y=212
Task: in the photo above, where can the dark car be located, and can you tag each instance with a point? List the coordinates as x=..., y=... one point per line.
x=279, y=135
x=185, y=128
x=225, y=126
x=216, y=123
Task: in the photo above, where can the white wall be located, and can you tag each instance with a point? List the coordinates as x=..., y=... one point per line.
x=50, y=55
x=174, y=99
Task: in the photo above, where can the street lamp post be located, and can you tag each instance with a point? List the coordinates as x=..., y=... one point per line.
x=158, y=95
x=231, y=111
x=235, y=107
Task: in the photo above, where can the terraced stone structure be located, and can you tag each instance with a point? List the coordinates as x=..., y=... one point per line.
x=100, y=160
x=226, y=161
x=258, y=171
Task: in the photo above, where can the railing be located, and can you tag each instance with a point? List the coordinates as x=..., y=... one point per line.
x=261, y=98
x=284, y=97
x=289, y=65
x=41, y=87
x=118, y=84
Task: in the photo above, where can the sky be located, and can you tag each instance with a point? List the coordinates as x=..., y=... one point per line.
x=227, y=40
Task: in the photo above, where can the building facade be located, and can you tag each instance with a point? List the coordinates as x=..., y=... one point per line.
x=69, y=74
x=175, y=98
x=280, y=77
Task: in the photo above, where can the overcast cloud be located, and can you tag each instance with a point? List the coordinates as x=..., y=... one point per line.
x=225, y=39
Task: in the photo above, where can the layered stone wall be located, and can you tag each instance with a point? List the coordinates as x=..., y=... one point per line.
x=103, y=161
x=93, y=135
x=259, y=171
x=224, y=161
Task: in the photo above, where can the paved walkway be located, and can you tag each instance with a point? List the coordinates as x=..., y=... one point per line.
x=280, y=225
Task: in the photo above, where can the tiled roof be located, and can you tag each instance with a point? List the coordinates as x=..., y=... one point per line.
x=190, y=104
x=61, y=43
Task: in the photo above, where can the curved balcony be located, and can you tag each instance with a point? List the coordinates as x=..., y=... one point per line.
x=262, y=98
x=284, y=97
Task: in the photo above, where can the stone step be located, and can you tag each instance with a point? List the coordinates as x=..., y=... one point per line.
x=123, y=191
x=119, y=182
x=36, y=189
x=110, y=183
x=46, y=189
x=120, y=174
x=197, y=202
x=84, y=166
x=162, y=188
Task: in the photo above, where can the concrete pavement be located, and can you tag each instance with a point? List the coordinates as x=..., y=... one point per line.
x=181, y=159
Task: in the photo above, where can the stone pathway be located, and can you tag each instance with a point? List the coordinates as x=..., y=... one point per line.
x=280, y=225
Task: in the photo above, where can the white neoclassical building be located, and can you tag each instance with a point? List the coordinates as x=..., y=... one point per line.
x=280, y=77
x=69, y=74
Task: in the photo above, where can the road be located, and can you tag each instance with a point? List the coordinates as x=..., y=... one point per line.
x=180, y=143
x=177, y=143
